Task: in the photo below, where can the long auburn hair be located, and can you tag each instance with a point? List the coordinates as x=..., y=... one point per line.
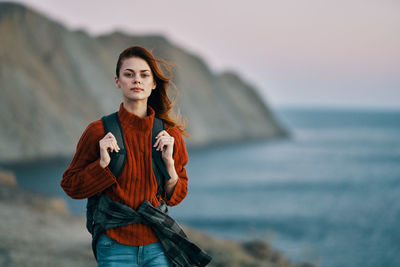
x=158, y=99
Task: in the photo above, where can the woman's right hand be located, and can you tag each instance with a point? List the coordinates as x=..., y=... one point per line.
x=107, y=144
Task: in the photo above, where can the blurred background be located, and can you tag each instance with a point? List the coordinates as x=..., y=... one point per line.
x=293, y=108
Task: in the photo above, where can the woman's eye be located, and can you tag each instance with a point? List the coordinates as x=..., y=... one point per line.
x=130, y=75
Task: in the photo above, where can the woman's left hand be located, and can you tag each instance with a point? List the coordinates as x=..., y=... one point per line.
x=165, y=143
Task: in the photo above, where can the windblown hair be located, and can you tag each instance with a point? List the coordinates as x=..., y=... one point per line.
x=158, y=100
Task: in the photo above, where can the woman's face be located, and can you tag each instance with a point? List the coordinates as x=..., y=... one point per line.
x=135, y=73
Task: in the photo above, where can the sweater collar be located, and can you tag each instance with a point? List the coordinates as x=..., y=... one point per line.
x=133, y=121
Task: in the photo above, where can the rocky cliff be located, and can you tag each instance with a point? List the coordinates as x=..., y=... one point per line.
x=54, y=81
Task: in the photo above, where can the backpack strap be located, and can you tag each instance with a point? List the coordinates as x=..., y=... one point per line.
x=112, y=124
x=160, y=171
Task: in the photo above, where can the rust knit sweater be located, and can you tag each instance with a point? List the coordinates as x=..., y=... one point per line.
x=85, y=177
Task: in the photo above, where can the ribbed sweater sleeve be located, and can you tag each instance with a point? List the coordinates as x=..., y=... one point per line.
x=181, y=158
x=85, y=177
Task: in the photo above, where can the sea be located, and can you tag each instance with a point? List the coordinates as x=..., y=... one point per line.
x=328, y=194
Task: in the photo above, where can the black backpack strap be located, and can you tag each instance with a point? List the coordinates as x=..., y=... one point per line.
x=160, y=171
x=112, y=124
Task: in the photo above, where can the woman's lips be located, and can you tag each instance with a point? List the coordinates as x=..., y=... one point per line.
x=136, y=89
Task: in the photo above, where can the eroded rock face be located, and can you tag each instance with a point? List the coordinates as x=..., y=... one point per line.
x=54, y=82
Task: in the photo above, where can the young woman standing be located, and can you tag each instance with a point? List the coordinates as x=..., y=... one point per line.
x=144, y=96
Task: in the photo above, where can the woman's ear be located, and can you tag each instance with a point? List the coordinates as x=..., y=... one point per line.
x=117, y=82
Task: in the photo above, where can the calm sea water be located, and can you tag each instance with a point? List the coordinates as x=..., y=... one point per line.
x=330, y=194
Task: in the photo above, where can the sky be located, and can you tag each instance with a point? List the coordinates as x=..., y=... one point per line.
x=308, y=53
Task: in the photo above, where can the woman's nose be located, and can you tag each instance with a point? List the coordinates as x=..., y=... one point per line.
x=136, y=80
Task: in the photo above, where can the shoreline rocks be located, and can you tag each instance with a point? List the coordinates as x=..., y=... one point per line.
x=37, y=230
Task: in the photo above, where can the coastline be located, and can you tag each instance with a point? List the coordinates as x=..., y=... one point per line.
x=37, y=230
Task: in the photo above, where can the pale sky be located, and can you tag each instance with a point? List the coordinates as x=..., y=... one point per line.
x=339, y=53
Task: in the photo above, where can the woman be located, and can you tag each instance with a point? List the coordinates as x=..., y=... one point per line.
x=144, y=96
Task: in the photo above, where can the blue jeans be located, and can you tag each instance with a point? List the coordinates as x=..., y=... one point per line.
x=112, y=253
